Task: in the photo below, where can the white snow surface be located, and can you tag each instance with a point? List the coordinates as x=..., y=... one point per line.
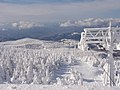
x=54, y=87
x=30, y=64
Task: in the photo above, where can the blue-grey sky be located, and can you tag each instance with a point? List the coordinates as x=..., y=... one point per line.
x=42, y=1
x=57, y=10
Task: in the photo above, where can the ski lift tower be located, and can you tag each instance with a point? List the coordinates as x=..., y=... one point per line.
x=110, y=55
x=109, y=38
x=113, y=40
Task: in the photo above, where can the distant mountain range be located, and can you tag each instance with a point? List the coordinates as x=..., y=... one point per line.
x=91, y=22
x=26, y=25
x=20, y=25
x=55, y=32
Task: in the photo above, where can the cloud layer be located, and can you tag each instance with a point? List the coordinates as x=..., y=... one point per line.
x=58, y=12
x=43, y=1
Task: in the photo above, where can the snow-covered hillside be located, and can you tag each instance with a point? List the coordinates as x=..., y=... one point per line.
x=55, y=87
x=30, y=64
x=23, y=65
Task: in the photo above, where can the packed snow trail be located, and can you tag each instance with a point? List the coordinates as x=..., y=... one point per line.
x=89, y=73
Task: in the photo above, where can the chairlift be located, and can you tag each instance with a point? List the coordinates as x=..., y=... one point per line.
x=96, y=47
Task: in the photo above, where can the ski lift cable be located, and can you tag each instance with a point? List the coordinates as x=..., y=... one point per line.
x=104, y=69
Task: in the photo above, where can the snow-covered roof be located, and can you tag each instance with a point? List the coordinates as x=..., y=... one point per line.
x=95, y=29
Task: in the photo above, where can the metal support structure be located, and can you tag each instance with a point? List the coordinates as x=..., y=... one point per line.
x=109, y=38
x=111, y=59
x=98, y=36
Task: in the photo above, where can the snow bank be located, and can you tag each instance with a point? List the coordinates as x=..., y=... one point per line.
x=54, y=87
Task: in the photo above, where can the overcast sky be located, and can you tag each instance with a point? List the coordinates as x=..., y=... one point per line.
x=57, y=10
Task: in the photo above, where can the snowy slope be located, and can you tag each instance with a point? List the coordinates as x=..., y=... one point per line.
x=55, y=87
x=22, y=42
x=39, y=44
x=48, y=66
